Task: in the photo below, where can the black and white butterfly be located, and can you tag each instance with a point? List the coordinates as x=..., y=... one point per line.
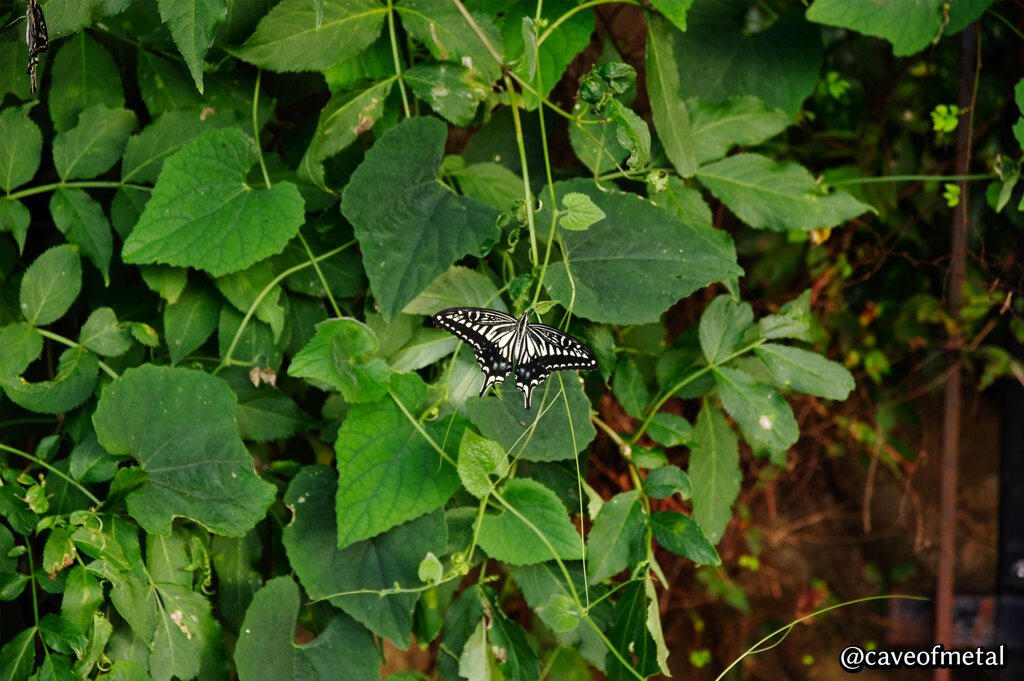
x=503, y=343
x=36, y=38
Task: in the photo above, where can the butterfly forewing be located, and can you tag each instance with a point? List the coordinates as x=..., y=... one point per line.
x=502, y=342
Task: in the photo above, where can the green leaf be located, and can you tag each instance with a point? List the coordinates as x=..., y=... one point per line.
x=85, y=75
x=595, y=144
x=492, y=183
x=289, y=38
x=631, y=133
x=632, y=280
x=680, y=534
x=663, y=482
x=670, y=430
x=738, y=121
x=264, y=413
x=654, y=628
x=530, y=47
x=479, y=458
x=144, y=154
x=779, y=196
x=190, y=320
x=254, y=289
x=440, y=26
x=91, y=463
x=83, y=595
x=722, y=327
x=426, y=347
x=179, y=425
x=458, y=287
x=383, y=455
x=202, y=214
x=341, y=355
x=560, y=613
x=630, y=637
x=15, y=218
x=396, y=223
x=193, y=24
x=806, y=371
x=348, y=114
x=18, y=656
x=21, y=147
x=59, y=551
x=550, y=434
x=580, y=212
x=103, y=335
x=630, y=389
x=674, y=10
x=516, y=661
x=764, y=415
x=793, y=320
x=714, y=472
x=172, y=655
x=449, y=89
x=50, y=285
x=64, y=17
x=20, y=345
x=76, y=377
x=377, y=564
x=82, y=221
x=910, y=27
x=669, y=111
x=779, y=65
x=507, y=536
x=266, y=647
x=95, y=144
x=125, y=670
x=617, y=540
x=61, y=635
x=237, y=579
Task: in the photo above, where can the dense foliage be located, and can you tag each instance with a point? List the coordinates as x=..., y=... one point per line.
x=226, y=419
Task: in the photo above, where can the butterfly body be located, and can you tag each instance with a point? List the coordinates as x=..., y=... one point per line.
x=36, y=38
x=503, y=343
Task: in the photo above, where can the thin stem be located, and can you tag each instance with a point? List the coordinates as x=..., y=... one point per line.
x=91, y=184
x=397, y=59
x=226, y=361
x=578, y=8
x=256, y=126
x=913, y=178
x=419, y=427
x=319, y=273
x=475, y=27
x=1006, y=21
x=521, y=143
x=61, y=474
x=72, y=344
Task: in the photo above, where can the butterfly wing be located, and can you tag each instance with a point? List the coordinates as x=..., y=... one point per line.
x=490, y=333
x=546, y=350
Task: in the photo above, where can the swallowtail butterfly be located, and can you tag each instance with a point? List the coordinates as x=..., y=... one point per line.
x=503, y=343
x=36, y=38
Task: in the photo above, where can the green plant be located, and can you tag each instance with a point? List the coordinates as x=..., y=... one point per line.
x=223, y=414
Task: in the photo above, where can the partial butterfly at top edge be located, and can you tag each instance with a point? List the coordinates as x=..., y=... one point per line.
x=502, y=343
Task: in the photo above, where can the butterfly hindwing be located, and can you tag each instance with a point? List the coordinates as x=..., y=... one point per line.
x=549, y=350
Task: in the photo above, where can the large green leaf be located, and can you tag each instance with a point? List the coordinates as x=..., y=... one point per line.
x=202, y=213
x=763, y=414
x=94, y=144
x=84, y=74
x=398, y=222
x=539, y=525
x=179, y=425
x=458, y=287
x=289, y=38
x=440, y=26
x=779, y=64
x=370, y=565
x=193, y=23
x=669, y=111
x=722, y=327
x=714, y=472
x=145, y=152
x=341, y=355
x=616, y=540
x=680, y=534
x=779, y=196
x=806, y=371
x=20, y=345
x=449, y=89
x=390, y=471
x=543, y=434
x=909, y=26
x=21, y=146
x=738, y=121
x=64, y=17
x=634, y=264
x=267, y=650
